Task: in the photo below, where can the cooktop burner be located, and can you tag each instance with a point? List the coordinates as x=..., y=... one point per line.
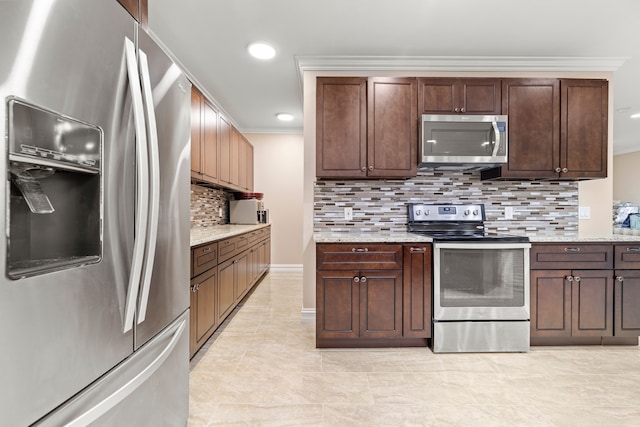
x=454, y=223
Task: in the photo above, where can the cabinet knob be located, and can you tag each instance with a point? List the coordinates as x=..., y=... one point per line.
x=577, y=278
x=356, y=279
x=620, y=278
x=457, y=110
x=462, y=110
x=363, y=279
x=558, y=170
x=363, y=169
x=565, y=170
x=370, y=168
x=569, y=278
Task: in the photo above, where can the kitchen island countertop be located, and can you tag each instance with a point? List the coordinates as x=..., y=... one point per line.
x=202, y=235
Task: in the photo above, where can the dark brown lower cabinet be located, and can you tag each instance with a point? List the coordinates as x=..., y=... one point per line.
x=219, y=287
x=203, y=316
x=584, y=305
x=627, y=303
x=385, y=302
x=417, y=291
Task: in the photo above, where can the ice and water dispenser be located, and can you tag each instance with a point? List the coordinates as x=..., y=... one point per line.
x=54, y=206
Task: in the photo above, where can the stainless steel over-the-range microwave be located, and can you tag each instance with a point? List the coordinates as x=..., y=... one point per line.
x=463, y=141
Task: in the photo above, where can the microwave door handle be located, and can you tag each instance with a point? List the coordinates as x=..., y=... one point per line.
x=496, y=132
x=154, y=191
x=142, y=180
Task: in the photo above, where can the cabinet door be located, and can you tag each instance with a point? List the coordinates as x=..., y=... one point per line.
x=480, y=96
x=381, y=304
x=392, y=136
x=341, y=127
x=550, y=303
x=234, y=155
x=206, y=307
x=337, y=304
x=437, y=96
x=193, y=320
x=224, y=139
x=210, y=143
x=241, y=264
x=249, y=166
x=592, y=303
x=627, y=303
x=226, y=280
x=196, y=126
x=533, y=107
x=416, y=311
x=242, y=162
x=584, y=129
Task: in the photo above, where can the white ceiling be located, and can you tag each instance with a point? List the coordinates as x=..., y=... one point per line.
x=210, y=37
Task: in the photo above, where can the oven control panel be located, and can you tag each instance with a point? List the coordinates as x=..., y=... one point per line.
x=423, y=212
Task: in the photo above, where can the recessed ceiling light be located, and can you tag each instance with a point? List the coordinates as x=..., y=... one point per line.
x=285, y=117
x=635, y=116
x=261, y=50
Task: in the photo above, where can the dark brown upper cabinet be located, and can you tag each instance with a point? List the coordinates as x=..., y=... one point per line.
x=138, y=9
x=366, y=128
x=459, y=96
x=557, y=129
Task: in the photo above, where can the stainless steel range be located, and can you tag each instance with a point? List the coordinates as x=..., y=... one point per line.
x=480, y=280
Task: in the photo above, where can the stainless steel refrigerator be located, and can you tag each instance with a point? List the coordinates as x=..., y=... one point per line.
x=94, y=286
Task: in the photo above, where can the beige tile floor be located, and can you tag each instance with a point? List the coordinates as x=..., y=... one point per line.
x=261, y=368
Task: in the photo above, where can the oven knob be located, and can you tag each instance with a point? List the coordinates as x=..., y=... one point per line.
x=418, y=212
x=475, y=213
x=467, y=212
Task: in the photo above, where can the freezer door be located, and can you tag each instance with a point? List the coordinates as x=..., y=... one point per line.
x=164, y=292
x=151, y=388
x=60, y=331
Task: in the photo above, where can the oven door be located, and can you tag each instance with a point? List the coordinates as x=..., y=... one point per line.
x=481, y=281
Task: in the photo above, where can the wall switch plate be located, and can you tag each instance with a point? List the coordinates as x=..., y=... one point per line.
x=220, y=212
x=348, y=214
x=584, y=212
x=508, y=212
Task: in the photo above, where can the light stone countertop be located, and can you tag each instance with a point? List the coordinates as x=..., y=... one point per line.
x=202, y=235
x=402, y=237
x=368, y=237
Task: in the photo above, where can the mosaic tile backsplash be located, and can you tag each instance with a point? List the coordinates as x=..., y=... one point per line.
x=205, y=204
x=380, y=205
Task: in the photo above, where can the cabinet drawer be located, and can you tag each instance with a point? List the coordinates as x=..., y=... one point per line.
x=627, y=255
x=203, y=258
x=340, y=256
x=254, y=236
x=570, y=255
x=227, y=248
x=242, y=243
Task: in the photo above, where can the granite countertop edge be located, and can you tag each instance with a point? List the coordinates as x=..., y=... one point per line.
x=203, y=235
x=405, y=237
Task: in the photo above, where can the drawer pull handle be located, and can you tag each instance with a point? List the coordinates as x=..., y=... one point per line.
x=417, y=250
x=620, y=278
x=633, y=249
x=572, y=249
x=206, y=250
x=359, y=250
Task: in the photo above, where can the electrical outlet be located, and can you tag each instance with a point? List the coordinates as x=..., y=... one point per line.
x=584, y=212
x=508, y=212
x=348, y=214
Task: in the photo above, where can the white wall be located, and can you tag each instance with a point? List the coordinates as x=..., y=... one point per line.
x=626, y=177
x=278, y=172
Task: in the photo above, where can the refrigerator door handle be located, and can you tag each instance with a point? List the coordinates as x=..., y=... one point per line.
x=96, y=411
x=142, y=178
x=154, y=191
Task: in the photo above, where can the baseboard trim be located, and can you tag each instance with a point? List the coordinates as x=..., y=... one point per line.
x=308, y=314
x=294, y=268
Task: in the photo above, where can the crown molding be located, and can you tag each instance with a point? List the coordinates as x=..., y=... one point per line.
x=454, y=63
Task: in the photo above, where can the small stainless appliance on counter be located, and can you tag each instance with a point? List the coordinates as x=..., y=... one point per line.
x=480, y=280
x=249, y=209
